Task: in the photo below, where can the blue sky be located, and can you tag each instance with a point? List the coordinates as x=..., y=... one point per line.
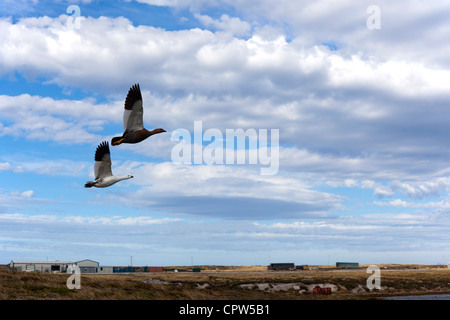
x=363, y=117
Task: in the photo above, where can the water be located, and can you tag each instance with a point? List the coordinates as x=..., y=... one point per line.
x=422, y=297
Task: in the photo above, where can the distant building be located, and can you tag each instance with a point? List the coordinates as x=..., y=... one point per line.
x=105, y=269
x=347, y=265
x=281, y=266
x=86, y=266
x=42, y=266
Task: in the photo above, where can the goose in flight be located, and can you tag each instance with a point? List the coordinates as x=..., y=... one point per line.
x=102, y=169
x=133, y=123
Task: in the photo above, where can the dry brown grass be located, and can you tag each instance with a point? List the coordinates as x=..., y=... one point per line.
x=221, y=282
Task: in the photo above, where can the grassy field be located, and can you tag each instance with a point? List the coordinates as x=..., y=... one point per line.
x=223, y=283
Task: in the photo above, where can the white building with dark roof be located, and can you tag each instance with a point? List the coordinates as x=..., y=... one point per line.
x=86, y=266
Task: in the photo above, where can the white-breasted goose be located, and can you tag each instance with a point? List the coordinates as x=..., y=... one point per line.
x=102, y=169
x=133, y=123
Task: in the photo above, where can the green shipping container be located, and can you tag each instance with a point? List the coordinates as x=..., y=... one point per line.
x=196, y=269
x=347, y=265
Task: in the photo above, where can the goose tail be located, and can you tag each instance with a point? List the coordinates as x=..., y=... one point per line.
x=89, y=184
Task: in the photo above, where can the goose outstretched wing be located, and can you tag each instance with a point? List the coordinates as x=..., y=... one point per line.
x=102, y=166
x=134, y=112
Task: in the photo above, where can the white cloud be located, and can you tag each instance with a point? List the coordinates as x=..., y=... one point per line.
x=163, y=3
x=442, y=205
x=5, y=166
x=311, y=93
x=27, y=193
x=419, y=189
x=319, y=99
x=14, y=200
x=162, y=59
x=230, y=192
x=408, y=28
x=64, y=121
x=369, y=238
x=24, y=194
x=233, y=25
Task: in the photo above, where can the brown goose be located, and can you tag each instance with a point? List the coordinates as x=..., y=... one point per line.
x=133, y=123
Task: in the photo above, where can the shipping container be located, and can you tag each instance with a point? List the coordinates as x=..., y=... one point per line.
x=281, y=266
x=347, y=265
x=123, y=269
x=154, y=269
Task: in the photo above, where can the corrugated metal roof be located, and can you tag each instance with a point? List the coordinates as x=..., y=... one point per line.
x=88, y=260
